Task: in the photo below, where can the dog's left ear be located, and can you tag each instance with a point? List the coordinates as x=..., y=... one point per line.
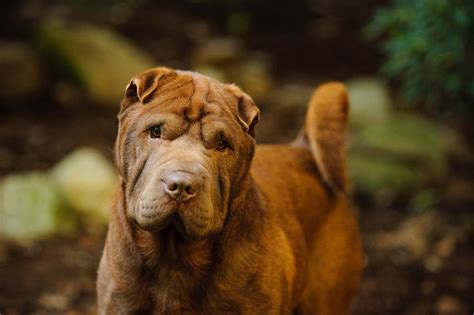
x=143, y=86
x=248, y=112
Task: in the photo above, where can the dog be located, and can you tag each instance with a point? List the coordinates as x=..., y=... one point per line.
x=206, y=222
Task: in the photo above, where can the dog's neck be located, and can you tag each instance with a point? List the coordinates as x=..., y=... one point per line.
x=181, y=266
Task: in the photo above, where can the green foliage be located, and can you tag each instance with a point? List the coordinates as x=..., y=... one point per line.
x=429, y=45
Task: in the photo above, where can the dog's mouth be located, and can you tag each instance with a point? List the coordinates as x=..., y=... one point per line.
x=173, y=222
x=152, y=224
x=178, y=224
x=151, y=218
x=159, y=221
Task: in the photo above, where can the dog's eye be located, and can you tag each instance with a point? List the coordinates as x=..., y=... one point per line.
x=155, y=131
x=221, y=145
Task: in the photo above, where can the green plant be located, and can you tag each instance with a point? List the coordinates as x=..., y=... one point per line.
x=429, y=46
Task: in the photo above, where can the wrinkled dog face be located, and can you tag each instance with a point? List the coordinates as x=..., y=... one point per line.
x=184, y=145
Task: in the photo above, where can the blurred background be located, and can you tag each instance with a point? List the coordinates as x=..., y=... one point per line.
x=408, y=66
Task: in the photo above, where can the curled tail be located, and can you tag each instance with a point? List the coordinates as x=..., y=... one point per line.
x=324, y=132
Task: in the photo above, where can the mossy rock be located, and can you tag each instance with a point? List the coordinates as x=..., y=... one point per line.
x=31, y=207
x=374, y=174
x=98, y=58
x=403, y=154
x=370, y=101
x=87, y=181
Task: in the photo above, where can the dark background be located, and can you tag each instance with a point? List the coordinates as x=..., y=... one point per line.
x=418, y=237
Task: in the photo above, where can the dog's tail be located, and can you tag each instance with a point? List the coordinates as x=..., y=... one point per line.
x=324, y=132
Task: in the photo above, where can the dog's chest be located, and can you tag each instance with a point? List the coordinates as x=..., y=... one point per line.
x=179, y=294
x=173, y=300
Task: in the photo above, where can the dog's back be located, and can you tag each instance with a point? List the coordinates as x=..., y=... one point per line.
x=305, y=185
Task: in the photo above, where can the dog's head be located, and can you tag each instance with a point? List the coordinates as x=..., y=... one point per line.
x=183, y=150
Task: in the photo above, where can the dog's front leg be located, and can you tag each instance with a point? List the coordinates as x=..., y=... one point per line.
x=118, y=297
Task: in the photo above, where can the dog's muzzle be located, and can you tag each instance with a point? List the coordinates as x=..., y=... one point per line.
x=159, y=204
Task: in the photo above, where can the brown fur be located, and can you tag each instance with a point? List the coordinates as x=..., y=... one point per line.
x=269, y=229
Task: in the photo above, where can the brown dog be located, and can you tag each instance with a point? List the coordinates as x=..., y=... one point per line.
x=201, y=226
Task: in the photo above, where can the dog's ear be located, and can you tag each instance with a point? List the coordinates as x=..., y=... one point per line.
x=248, y=112
x=143, y=86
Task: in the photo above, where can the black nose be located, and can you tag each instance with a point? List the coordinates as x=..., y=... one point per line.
x=180, y=186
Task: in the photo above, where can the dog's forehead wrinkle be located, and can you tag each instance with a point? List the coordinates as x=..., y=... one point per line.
x=198, y=99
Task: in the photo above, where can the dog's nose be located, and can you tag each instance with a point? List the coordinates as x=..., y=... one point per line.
x=180, y=186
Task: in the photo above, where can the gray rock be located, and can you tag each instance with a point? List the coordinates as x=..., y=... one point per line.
x=292, y=97
x=212, y=72
x=100, y=59
x=31, y=208
x=253, y=76
x=382, y=176
x=370, y=100
x=21, y=74
x=218, y=51
x=288, y=104
x=87, y=181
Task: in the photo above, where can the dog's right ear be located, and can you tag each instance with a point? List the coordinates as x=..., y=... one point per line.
x=142, y=87
x=248, y=112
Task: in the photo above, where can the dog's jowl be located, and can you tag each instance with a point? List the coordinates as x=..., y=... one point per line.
x=206, y=222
